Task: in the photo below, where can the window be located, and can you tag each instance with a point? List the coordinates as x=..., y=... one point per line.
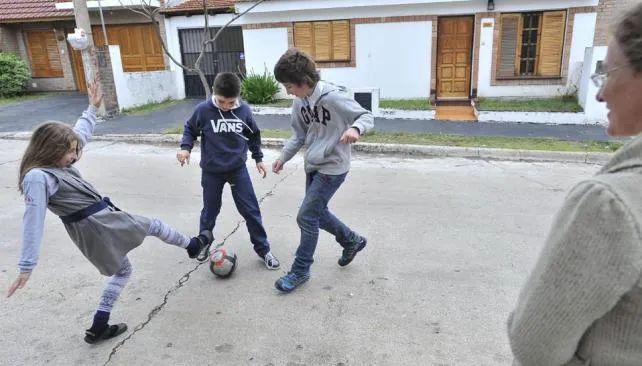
x=324, y=41
x=531, y=44
x=43, y=53
x=140, y=47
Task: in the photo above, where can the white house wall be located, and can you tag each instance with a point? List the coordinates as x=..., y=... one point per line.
x=258, y=57
x=594, y=110
x=397, y=69
x=583, y=34
x=394, y=57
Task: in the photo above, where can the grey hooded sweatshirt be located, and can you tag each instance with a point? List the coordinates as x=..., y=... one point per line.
x=318, y=122
x=582, y=303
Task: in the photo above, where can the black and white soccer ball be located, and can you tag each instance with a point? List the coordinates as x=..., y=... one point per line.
x=223, y=262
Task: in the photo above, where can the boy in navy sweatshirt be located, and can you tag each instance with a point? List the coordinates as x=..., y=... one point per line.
x=326, y=121
x=227, y=131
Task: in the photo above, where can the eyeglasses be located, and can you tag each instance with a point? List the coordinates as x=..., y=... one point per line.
x=600, y=77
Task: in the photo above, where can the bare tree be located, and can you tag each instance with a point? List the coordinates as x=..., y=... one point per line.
x=150, y=12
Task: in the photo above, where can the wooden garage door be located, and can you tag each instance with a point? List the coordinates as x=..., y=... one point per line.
x=43, y=53
x=140, y=48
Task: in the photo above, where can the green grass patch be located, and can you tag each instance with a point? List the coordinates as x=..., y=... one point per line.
x=409, y=138
x=150, y=107
x=23, y=98
x=567, y=103
x=279, y=103
x=179, y=131
x=406, y=104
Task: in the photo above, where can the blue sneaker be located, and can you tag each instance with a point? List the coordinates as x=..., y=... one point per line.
x=290, y=281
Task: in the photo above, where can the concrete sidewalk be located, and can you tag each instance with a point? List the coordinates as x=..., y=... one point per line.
x=451, y=241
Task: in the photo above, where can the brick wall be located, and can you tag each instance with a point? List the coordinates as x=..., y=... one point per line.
x=8, y=40
x=607, y=13
x=106, y=74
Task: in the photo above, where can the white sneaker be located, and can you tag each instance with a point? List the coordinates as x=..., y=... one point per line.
x=271, y=262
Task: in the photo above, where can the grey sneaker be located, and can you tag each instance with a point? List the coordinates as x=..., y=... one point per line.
x=350, y=251
x=271, y=262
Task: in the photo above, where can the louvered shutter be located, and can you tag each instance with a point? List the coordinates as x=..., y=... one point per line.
x=341, y=40
x=303, y=37
x=551, y=43
x=508, y=45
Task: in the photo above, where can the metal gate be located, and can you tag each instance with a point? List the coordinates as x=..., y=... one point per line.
x=225, y=55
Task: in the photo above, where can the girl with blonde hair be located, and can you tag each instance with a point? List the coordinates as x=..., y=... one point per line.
x=102, y=232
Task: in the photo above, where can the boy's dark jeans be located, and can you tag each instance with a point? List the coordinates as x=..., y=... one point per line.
x=244, y=198
x=314, y=215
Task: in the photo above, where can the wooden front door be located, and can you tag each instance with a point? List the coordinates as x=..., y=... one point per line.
x=454, y=47
x=77, y=66
x=79, y=71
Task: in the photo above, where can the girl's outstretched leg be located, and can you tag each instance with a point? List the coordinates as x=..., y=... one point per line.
x=169, y=235
x=100, y=329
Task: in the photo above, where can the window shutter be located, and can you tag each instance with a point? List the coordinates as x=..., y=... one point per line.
x=508, y=44
x=341, y=49
x=322, y=41
x=551, y=43
x=303, y=37
x=55, y=64
x=44, y=54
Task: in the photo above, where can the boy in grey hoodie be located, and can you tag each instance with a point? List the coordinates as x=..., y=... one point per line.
x=326, y=121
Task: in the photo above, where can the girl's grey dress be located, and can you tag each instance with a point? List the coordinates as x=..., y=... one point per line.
x=106, y=236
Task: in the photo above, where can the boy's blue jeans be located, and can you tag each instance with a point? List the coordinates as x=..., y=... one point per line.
x=314, y=215
x=244, y=198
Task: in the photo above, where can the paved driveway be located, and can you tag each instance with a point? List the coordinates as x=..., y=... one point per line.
x=24, y=116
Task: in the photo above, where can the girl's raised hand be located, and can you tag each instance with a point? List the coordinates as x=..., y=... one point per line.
x=94, y=93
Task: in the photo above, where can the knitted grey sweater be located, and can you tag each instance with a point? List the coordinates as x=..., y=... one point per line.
x=582, y=303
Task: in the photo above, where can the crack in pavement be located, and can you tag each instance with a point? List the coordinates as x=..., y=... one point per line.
x=532, y=180
x=186, y=276
x=9, y=162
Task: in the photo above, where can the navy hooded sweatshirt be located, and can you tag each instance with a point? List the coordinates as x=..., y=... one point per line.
x=225, y=136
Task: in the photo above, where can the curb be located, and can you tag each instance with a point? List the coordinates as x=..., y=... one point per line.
x=378, y=148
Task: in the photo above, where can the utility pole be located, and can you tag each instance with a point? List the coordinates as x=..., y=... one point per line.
x=90, y=63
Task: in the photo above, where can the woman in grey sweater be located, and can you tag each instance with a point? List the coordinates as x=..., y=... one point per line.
x=102, y=232
x=582, y=303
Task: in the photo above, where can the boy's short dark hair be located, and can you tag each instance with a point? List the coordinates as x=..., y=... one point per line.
x=227, y=85
x=296, y=67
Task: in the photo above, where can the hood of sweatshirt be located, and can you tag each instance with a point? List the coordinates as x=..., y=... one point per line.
x=628, y=157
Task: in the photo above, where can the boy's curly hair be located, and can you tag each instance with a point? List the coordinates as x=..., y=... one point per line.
x=296, y=67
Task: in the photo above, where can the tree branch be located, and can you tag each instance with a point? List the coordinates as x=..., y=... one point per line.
x=233, y=19
x=197, y=64
x=151, y=13
x=144, y=12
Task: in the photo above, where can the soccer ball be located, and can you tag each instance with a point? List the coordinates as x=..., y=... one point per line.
x=222, y=262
